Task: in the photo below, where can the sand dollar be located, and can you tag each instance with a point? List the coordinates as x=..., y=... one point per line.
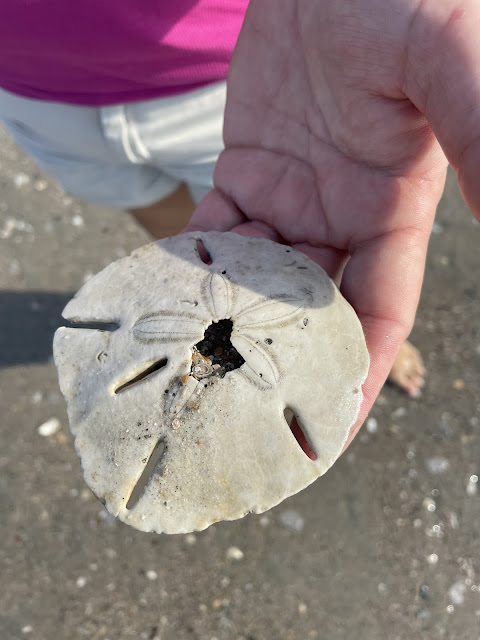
x=180, y=377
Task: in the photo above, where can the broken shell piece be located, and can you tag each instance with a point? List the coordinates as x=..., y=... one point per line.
x=201, y=366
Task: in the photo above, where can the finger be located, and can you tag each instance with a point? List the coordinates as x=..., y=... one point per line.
x=257, y=229
x=277, y=188
x=443, y=81
x=330, y=259
x=216, y=212
x=382, y=281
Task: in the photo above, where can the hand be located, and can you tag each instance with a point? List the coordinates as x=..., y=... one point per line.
x=340, y=118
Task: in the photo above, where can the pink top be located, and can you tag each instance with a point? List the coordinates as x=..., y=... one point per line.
x=103, y=52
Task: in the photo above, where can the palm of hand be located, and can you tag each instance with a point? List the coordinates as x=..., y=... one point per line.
x=325, y=151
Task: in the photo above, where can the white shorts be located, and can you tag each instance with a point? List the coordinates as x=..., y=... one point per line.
x=123, y=156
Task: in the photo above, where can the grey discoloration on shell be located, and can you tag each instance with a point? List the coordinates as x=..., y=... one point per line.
x=228, y=448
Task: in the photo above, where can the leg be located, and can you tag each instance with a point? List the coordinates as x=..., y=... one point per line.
x=166, y=217
x=408, y=371
x=188, y=157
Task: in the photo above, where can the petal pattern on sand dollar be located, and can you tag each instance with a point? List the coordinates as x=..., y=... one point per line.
x=165, y=326
x=278, y=310
x=217, y=294
x=260, y=366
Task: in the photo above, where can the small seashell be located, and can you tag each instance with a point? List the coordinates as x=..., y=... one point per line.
x=49, y=427
x=234, y=553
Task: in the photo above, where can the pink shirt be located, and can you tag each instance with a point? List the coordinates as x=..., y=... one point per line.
x=103, y=52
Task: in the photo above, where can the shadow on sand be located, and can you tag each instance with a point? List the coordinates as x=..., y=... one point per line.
x=28, y=320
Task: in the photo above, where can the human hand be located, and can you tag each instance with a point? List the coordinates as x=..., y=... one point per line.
x=340, y=118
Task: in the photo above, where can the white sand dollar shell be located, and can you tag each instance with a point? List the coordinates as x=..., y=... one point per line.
x=136, y=385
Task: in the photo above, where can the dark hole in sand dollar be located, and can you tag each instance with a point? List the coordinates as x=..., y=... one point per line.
x=148, y=472
x=217, y=347
x=298, y=433
x=146, y=373
x=203, y=252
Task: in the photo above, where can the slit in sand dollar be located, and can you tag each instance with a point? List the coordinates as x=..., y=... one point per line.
x=186, y=414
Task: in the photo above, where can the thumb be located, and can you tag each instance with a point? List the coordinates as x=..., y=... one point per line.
x=443, y=81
